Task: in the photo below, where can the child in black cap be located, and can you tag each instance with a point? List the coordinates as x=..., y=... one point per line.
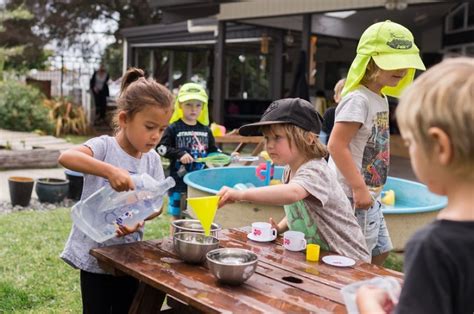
x=313, y=199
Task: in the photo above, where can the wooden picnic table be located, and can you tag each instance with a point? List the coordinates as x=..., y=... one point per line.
x=242, y=141
x=283, y=282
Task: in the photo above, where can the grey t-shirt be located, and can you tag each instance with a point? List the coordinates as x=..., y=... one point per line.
x=370, y=147
x=325, y=216
x=106, y=148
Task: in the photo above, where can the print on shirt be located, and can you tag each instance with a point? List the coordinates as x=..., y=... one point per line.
x=299, y=219
x=376, y=156
x=194, y=142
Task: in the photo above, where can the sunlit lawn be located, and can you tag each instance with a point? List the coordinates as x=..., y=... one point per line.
x=33, y=278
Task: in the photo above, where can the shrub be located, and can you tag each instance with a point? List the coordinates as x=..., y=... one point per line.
x=67, y=117
x=22, y=109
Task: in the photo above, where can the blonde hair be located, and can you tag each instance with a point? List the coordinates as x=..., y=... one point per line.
x=137, y=92
x=443, y=97
x=306, y=142
x=338, y=90
x=372, y=71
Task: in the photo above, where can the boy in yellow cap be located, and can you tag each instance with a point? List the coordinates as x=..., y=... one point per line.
x=188, y=137
x=359, y=145
x=435, y=117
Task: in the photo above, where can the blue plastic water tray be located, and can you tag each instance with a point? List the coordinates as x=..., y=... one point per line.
x=410, y=197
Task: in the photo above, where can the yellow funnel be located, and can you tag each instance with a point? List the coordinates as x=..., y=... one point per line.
x=205, y=210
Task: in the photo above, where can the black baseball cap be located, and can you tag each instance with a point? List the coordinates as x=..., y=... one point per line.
x=294, y=111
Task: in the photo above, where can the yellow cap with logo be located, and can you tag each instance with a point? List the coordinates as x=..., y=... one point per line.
x=188, y=92
x=392, y=47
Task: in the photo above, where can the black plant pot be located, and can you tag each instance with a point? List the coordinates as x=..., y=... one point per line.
x=20, y=190
x=51, y=190
x=76, y=182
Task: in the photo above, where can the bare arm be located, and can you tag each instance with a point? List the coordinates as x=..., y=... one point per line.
x=282, y=226
x=81, y=159
x=338, y=147
x=272, y=195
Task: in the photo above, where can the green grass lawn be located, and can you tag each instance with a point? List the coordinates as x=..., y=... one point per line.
x=33, y=278
x=77, y=139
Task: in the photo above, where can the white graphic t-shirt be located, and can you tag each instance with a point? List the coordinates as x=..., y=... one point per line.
x=370, y=147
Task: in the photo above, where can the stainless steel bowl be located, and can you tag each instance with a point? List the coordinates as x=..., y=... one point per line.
x=192, y=247
x=232, y=266
x=193, y=225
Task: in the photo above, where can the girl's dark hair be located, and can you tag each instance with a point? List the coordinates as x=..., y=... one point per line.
x=137, y=92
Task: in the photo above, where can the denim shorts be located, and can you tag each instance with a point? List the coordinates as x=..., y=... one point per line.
x=374, y=229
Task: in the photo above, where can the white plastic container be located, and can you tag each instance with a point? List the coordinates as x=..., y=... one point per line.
x=99, y=215
x=389, y=284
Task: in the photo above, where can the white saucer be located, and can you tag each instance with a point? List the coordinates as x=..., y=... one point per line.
x=338, y=261
x=251, y=237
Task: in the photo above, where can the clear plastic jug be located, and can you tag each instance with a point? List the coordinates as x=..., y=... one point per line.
x=99, y=215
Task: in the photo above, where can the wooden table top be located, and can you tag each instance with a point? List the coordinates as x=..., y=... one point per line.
x=238, y=139
x=283, y=282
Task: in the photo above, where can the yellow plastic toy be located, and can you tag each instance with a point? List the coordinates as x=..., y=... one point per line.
x=264, y=155
x=205, y=210
x=389, y=198
x=217, y=129
x=275, y=182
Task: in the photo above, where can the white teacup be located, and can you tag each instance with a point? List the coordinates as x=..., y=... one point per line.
x=294, y=240
x=263, y=231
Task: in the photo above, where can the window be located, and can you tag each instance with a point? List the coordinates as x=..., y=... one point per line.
x=460, y=19
x=248, y=74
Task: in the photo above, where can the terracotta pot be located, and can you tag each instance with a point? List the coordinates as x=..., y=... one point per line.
x=20, y=190
x=51, y=190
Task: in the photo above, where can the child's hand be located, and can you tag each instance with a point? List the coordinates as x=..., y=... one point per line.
x=274, y=225
x=155, y=214
x=373, y=300
x=123, y=230
x=228, y=195
x=362, y=198
x=280, y=227
x=120, y=180
x=186, y=159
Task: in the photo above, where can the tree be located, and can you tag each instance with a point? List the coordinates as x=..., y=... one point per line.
x=20, y=48
x=112, y=60
x=67, y=21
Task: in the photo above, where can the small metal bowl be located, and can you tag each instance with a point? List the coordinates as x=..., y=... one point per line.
x=192, y=247
x=193, y=225
x=232, y=266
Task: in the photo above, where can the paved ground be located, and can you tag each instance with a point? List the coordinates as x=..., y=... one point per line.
x=32, y=173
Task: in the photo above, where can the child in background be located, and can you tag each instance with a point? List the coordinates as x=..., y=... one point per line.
x=187, y=138
x=313, y=199
x=144, y=109
x=360, y=141
x=435, y=116
x=329, y=115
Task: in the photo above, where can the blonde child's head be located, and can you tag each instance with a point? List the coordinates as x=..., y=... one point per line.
x=137, y=92
x=299, y=121
x=386, y=46
x=442, y=98
x=306, y=143
x=338, y=90
x=371, y=74
x=191, y=95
